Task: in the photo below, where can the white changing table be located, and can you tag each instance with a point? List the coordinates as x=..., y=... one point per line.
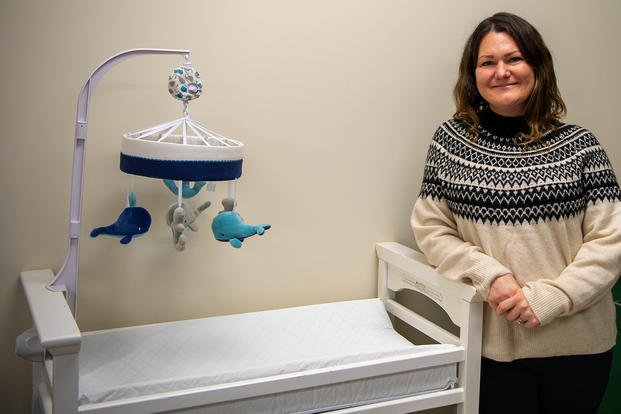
x=341, y=357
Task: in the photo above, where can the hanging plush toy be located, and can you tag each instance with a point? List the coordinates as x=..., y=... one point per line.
x=228, y=225
x=188, y=189
x=182, y=217
x=133, y=221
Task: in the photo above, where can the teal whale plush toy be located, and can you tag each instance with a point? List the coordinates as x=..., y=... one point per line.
x=228, y=226
x=187, y=190
x=133, y=221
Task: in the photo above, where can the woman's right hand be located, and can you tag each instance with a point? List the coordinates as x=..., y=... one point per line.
x=502, y=288
x=507, y=291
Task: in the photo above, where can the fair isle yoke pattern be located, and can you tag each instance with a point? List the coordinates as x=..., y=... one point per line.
x=496, y=180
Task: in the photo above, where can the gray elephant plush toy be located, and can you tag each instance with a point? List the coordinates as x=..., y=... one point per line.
x=180, y=217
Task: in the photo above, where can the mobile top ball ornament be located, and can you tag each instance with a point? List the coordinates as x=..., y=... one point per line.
x=184, y=83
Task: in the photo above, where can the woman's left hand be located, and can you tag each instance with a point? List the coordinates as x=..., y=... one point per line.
x=517, y=309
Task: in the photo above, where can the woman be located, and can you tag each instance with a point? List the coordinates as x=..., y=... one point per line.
x=528, y=210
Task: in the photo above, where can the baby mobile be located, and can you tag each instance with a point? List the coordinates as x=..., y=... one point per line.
x=187, y=157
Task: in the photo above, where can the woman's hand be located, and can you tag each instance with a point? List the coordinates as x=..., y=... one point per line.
x=517, y=309
x=502, y=288
x=507, y=299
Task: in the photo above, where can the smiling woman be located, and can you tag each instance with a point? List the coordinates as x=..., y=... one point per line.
x=527, y=209
x=504, y=78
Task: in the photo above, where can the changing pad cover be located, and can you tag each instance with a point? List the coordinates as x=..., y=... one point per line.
x=135, y=361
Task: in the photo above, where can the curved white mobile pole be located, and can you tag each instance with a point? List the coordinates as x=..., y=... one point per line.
x=67, y=278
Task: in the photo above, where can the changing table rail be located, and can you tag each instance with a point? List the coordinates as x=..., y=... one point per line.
x=203, y=396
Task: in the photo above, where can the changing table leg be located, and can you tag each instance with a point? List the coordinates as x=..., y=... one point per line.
x=37, y=378
x=65, y=384
x=470, y=370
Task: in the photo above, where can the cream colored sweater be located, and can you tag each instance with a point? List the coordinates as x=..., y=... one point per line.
x=549, y=214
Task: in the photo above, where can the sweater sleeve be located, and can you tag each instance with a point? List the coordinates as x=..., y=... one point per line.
x=437, y=234
x=597, y=264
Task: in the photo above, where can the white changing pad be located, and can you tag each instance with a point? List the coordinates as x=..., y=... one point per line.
x=130, y=362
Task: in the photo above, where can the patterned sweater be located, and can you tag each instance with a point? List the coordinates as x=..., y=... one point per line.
x=549, y=213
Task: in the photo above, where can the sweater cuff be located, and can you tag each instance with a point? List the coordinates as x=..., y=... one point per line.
x=546, y=302
x=483, y=275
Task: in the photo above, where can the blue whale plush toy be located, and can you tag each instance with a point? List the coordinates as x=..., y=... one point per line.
x=228, y=226
x=133, y=221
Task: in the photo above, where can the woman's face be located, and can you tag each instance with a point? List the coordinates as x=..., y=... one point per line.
x=504, y=79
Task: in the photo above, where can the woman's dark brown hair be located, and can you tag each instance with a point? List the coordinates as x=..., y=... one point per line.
x=544, y=107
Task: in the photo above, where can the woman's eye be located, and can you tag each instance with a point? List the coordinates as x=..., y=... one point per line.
x=486, y=63
x=515, y=59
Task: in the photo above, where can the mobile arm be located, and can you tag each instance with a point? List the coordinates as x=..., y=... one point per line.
x=67, y=278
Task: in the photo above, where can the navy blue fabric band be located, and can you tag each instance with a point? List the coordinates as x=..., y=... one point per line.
x=199, y=170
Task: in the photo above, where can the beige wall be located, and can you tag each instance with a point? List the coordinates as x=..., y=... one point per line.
x=335, y=100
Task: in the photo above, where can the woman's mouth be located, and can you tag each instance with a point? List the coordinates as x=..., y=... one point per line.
x=505, y=85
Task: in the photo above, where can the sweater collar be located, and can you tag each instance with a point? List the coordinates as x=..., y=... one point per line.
x=503, y=126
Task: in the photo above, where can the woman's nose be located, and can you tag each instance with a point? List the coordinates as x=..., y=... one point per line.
x=502, y=71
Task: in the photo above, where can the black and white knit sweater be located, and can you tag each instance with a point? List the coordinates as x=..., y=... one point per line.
x=549, y=213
